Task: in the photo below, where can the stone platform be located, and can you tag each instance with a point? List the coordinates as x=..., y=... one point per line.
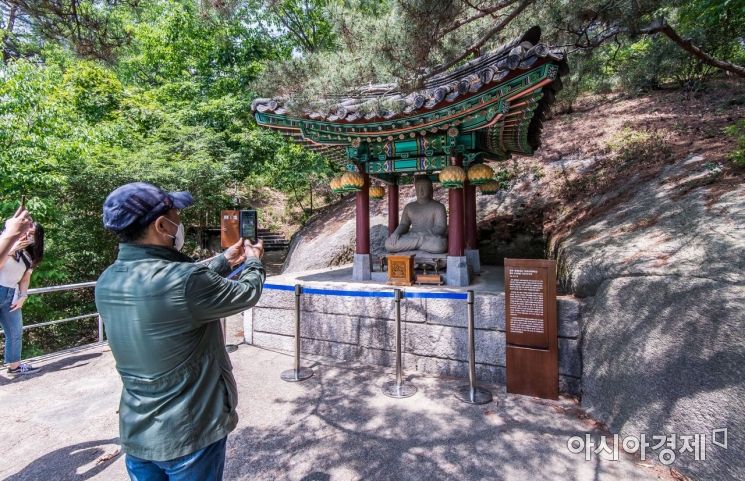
x=434, y=331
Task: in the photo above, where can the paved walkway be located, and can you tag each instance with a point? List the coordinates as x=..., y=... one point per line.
x=62, y=425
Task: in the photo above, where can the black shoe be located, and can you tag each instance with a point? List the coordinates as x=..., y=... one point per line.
x=23, y=369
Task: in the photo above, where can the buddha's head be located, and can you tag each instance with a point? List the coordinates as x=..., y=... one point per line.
x=423, y=187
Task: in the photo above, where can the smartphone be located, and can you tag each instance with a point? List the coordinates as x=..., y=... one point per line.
x=249, y=225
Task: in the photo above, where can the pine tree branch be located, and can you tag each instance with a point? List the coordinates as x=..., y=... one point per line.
x=661, y=26
x=482, y=13
x=475, y=47
x=87, y=29
x=590, y=43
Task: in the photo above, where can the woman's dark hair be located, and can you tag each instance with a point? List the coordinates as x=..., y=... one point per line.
x=36, y=250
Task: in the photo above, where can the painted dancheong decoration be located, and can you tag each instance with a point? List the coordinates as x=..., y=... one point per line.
x=486, y=110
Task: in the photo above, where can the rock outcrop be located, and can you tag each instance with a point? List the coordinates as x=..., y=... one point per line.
x=663, y=333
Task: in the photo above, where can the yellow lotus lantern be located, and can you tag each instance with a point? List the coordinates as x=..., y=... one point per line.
x=352, y=182
x=335, y=185
x=452, y=177
x=377, y=192
x=489, y=188
x=479, y=174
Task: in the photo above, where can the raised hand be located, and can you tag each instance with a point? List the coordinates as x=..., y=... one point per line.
x=254, y=250
x=20, y=244
x=235, y=254
x=19, y=224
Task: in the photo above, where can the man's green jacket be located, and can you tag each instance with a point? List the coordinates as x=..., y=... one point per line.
x=161, y=312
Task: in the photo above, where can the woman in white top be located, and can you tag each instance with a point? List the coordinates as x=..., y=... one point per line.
x=15, y=277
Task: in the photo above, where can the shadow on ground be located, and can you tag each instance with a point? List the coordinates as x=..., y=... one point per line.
x=62, y=364
x=74, y=463
x=341, y=427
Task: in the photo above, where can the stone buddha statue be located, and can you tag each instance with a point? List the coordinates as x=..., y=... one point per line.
x=423, y=223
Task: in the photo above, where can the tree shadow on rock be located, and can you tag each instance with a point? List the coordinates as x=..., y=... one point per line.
x=665, y=354
x=316, y=476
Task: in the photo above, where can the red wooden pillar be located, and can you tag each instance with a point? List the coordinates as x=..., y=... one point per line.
x=392, y=207
x=471, y=233
x=362, y=215
x=456, y=222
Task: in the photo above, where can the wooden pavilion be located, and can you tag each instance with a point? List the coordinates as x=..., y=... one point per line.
x=484, y=110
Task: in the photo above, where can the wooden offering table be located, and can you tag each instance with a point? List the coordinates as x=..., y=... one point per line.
x=400, y=270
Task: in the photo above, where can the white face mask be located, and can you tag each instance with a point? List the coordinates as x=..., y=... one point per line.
x=180, y=237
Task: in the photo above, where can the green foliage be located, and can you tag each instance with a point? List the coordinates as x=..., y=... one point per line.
x=643, y=64
x=652, y=62
x=306, y=22
x=299, y=172
x=404, y=40
x=716, y=26
x=93, y=29
x=505, y=175
x=174, y=110
x=96, y=91
x=737, y=131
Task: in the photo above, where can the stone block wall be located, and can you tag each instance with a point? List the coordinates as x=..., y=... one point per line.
x=434, y=332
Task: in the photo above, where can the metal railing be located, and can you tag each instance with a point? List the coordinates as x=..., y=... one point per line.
x=74, y=287
x=64, y=288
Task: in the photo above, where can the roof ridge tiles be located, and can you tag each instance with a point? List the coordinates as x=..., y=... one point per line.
x=445, y=86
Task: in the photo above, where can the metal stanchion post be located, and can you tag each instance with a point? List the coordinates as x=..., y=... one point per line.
x=100, y=330
x=397, y=388
x=472, y=393
x=297, y=373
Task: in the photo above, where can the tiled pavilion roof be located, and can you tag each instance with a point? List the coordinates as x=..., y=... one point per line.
x=486, y=109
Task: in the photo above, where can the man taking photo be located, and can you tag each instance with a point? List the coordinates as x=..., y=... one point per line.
x=162, y=313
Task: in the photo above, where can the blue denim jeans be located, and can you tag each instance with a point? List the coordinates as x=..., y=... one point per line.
x=204, y=465
x=12, y=324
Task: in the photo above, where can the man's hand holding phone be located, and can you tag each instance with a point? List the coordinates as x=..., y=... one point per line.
x=238, y=252
x=235, y=254
x=254, y=250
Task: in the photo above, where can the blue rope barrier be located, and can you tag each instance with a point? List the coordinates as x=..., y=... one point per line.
x=333, y=292
x=436, y=295
x=338, y=292
x=237, y=271
x=279, y=287
x=381, y=294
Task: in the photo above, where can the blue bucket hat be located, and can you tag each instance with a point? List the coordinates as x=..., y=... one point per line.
x=140, y=203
